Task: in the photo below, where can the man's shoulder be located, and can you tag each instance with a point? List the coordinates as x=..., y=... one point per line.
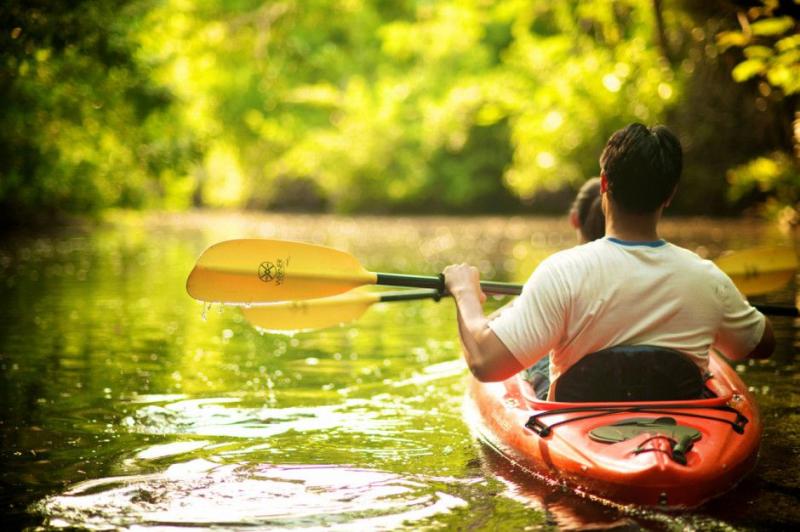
x=690, y=257
x=582, y=252
x=697, y=269
x=575, y=257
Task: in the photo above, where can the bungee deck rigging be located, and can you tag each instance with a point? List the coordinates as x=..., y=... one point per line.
x=542, y=429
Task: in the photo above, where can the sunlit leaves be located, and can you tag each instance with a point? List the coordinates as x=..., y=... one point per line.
x=788, y=43
x=768, y=51
x=376, y=104
x=786, y=76
x=728, y=39
x=452, y=105
x=776, y=174
x=758, y=52
x=749, y=68
x=772, y=26
x=440, y=30
x=774, y=56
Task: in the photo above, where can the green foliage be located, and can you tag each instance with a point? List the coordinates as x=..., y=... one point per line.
x=775, y=176
x=771, y=45
x=350, y=105
x=83, y=126
x=748, y=69
x=772, y=26
x=383, y=108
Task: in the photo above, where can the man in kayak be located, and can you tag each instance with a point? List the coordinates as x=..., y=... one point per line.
x=630, y=288
x=586, y=217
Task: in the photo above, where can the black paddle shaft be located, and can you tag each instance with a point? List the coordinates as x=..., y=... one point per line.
x=779, y=310
x=411, y=295
x=437, y=283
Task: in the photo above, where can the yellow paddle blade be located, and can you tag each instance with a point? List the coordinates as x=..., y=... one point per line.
x=311, y=313
x=760, y=270
x=259, y=270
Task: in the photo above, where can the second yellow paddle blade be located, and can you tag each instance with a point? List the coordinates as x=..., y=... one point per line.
x=760, y=270
x=260, y=270
x=311, y=313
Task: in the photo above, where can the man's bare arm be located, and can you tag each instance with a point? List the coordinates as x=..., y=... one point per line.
x=766, y=345
x=487, y=357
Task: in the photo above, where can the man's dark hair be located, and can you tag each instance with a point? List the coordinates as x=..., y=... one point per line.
x=642, y=166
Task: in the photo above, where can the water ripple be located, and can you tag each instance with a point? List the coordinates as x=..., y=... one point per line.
x=200, y=493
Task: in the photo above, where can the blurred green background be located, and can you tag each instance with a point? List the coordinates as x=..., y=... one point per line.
x=452, y=106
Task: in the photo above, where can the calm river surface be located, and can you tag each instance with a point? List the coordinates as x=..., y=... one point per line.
x=124, y=405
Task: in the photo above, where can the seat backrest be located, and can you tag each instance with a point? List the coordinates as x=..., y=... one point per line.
x=631, y=373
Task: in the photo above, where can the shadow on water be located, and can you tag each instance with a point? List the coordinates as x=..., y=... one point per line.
x=121, y=405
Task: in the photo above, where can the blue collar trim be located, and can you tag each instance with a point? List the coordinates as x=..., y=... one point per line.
x=650, y=244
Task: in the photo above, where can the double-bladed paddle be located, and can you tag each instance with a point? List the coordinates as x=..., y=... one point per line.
x=244, y=272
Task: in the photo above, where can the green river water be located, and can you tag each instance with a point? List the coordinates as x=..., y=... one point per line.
x=123, y=404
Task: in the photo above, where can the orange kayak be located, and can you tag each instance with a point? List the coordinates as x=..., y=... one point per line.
x=675, y=454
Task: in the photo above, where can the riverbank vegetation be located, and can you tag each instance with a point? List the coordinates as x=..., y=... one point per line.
x=409, y=106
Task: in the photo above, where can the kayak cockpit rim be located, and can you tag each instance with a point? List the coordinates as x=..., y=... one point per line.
x=723, y=395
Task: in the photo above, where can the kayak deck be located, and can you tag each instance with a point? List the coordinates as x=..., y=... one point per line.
x=552, y=440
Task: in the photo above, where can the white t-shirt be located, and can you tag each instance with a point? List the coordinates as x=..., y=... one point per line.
x=610, y=292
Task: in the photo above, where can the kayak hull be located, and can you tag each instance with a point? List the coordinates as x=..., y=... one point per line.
x=641, y=470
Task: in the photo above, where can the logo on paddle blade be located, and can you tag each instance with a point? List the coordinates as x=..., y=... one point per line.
x=273, y=271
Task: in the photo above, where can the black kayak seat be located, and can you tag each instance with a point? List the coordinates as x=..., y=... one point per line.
x=631, y=373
